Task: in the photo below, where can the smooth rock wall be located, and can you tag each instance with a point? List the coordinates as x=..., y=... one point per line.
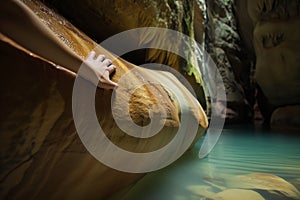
x=271, y=30
x=42, y=156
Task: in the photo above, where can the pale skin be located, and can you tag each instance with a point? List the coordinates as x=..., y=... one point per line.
x=19, y=23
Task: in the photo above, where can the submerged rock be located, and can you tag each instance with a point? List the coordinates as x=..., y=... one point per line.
x=248, y=186
x=202, y=191
x=237, y=194
x=42, y=156
x=271, y=186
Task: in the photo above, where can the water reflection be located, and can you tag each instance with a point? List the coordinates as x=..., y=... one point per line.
x=245, y=163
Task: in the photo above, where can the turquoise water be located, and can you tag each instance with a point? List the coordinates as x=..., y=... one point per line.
x=239, y=151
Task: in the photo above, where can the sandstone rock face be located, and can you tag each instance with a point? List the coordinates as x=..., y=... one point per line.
x=184, y=16
x=42, y=156
x=270, y=29
x=276, y=43
x=222, y=39
x=92, y=15
x=233, y=32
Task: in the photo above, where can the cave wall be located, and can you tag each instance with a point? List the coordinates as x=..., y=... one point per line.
x=226, y=47
x=258, y=63
x=270, y=30
x=212, y=24
x=41, y=154
x=255, y=44
x=93, y=18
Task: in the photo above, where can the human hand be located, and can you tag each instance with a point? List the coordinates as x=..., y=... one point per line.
x=103, y=68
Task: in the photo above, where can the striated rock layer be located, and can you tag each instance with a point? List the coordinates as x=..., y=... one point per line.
x=211, y=23
x=252, y=43
x=184, y=16
x=42, y=156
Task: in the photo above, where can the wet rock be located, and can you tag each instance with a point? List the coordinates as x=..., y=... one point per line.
x=237, y=194
x=296, y=181
x=90, y=16
x=202, y=191
x=42, y=156
x=235, y=37
x=248, y=186
x=268, y=185
x=225, y=46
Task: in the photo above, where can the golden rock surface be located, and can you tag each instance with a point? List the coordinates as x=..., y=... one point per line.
x=42, y=156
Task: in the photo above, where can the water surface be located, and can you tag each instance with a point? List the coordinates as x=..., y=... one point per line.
x=239, y=151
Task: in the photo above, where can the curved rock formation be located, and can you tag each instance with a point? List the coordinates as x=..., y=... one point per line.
x=276, y=42
x=248, y=40
x=271, y=30
x=184, y=16
x=42, y=156
x=194, y=18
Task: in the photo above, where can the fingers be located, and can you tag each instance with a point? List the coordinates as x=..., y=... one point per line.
x=91, y=56
x=103, y=68
x=111, y=68
x=105, y=79
x=108, y=85
x=107, y=62
x=105, y=82
x=100, y=58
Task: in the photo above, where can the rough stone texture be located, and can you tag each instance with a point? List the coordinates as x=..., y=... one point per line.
x=92, y=15
x=244, y=48
x=42, y=156
x=270, y=28
x=222, y=39
x=225, y=46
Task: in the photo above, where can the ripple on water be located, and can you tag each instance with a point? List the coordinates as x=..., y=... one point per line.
x=239, y=153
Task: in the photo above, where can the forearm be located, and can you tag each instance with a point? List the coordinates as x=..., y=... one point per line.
x=18, y=22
